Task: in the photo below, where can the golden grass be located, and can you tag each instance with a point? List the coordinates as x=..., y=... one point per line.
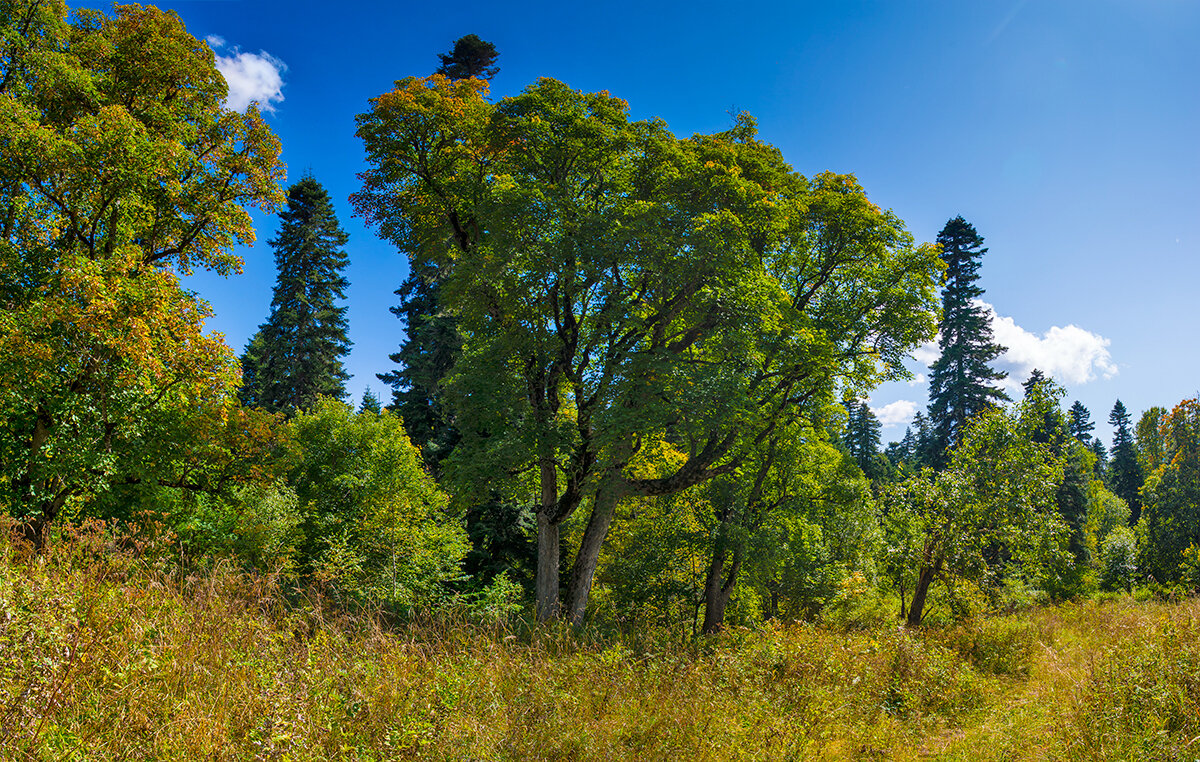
x=108, y=654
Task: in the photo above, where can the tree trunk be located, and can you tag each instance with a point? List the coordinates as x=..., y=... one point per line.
x=603, y=511
x=925, y=578
x=37, y=527
x=546, y=583
x=717, y=591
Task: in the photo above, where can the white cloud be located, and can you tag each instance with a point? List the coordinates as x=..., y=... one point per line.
x=1069, y=355
x=927, y=353
x=251, y=77
x=895, y=413
x=215, y=41
x=917, y=379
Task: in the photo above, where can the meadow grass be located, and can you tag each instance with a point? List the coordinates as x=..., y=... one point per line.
x=110, y=651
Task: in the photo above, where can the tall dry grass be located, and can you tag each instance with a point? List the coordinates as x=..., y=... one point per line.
x=109, y=651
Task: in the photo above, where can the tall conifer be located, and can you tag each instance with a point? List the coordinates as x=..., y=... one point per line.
x=1124, y=472
x=296, y=356
x=961, y=381
x=1079, y=422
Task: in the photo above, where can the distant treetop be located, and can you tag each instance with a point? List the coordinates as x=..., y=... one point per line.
x=470, y=57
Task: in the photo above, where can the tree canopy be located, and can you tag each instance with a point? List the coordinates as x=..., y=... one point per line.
x=615, y=284
x=119, y=171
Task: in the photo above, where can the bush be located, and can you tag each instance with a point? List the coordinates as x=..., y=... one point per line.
x=1118, y=560
x=858, y=606
x=375, y=525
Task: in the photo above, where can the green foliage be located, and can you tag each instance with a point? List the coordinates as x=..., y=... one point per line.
x=375, y=525
x=1105, y=513
x=615, y=285
x=861, y=438
x=1079, y=422
x=1124, y=475
x=470, y=57
x=295, y=357
x=1118, y=559
x=990, y=514
x=119, y=171
x=426, y=358
x=1171, y=518
x=857, y=605
x=1148, y=439
x=369, y=403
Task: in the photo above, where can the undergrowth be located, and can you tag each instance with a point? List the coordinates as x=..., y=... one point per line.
x=109, y=650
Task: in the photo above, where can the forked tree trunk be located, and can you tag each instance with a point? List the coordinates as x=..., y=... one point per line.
x=718, y=588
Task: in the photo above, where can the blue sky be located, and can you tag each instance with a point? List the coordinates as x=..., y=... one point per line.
x=1065, y=131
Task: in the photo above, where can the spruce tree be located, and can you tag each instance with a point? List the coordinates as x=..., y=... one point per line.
x=961, y=381
x=861, y=436
x=1101, y=467
x=296, y=356
x=370, y=403
x=1124, y=472
x=1035, y=377
x=1079, y=422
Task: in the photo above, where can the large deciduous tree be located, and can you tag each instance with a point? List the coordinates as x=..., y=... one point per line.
x=119, y=170
x=961, y=380
x=1170, y=525
x=296, y=356
x=615, y=285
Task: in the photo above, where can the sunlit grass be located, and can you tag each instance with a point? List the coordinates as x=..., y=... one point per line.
x=106, y=653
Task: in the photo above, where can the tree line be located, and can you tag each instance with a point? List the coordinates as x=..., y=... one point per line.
x=632, y=382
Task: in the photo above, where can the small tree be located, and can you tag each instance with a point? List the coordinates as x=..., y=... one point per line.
x=998, y=492
x=375, y=525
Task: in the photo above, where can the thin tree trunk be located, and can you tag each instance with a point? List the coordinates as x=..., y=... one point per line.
x=925, y=578
x=546, y=583
x=584, y=568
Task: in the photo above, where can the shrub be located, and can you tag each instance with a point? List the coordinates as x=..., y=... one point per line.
x=1118, y=559
x=375, y=525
